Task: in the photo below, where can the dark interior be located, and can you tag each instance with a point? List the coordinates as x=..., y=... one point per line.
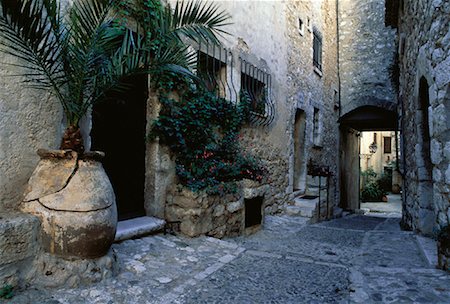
x=119, y=130
x=253, y=212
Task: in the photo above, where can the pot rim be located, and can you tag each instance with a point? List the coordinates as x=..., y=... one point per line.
x=70, y=154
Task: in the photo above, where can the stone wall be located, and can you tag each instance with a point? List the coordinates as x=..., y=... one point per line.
x=425, y=54
x=195, y=214
x=309, y=88
x=30, y=119
x=366, y=52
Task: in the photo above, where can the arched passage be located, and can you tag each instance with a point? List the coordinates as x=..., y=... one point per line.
x=364, y=118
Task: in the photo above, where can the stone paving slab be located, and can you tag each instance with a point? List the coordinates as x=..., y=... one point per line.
x=253, y=279
x=364, y=260
x=388, y=286
x=386, y=249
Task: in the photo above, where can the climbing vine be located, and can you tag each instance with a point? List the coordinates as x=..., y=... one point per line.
x=202, y=130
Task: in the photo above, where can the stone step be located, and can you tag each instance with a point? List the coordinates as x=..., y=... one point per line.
x=137, y=227
x=304, y=206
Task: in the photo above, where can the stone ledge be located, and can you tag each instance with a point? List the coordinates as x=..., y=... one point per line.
x=428, y=248
x=18, y=237
x=138, y=227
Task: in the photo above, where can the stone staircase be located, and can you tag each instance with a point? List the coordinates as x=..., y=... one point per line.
x=307, y=204
x=304, y=206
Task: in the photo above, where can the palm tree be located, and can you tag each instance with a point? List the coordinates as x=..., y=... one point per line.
x=84, y=53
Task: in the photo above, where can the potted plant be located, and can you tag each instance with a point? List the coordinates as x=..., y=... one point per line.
x=79, y=56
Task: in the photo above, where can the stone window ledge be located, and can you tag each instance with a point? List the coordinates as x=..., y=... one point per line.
x=318, y=72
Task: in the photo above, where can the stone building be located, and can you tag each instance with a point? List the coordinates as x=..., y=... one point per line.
x=368, y=99
x=329, y=68
x=424, y=109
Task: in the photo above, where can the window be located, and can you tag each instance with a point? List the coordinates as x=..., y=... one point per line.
x=213, y=73
x=387, y=144
x=316, y=128
x=317, y=50
x=301, y=27
x=255, y=91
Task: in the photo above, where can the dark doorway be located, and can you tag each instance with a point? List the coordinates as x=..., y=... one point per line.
x=425, y=167
x=253, y=211
x=119, y=129
x=424, y=103
x=299, y=152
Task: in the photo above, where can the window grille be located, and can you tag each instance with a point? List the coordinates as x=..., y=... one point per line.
x=215, y=68
x=317, y=49
x=256, y=89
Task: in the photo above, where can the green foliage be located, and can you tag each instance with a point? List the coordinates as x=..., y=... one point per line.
x=202, y=130
x=81, y=56
x=371, y=190
x=6, y=292
x=385, y=182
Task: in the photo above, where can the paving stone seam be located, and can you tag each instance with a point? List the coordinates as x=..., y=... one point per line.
x=336, y=228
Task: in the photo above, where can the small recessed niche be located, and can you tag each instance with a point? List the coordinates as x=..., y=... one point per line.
x=253, y=211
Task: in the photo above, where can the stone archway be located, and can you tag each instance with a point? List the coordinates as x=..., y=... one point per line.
x=364, y=118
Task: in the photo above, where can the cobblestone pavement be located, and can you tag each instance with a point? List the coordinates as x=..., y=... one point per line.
x=355, y=259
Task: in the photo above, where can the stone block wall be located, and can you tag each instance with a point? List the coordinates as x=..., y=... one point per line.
x=366, y=52
x=195, y=214
x=424, y=50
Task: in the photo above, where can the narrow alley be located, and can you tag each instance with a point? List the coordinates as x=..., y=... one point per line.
x=355, y=259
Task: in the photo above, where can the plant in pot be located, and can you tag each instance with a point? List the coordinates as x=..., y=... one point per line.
x=79, y=56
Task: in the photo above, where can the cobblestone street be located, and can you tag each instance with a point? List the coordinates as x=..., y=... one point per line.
x=350, y=260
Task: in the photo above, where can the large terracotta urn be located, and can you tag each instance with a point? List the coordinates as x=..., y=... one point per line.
x=74, y=199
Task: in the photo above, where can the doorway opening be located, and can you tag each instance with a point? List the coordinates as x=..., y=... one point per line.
x=119, y=130
x=380, y=179
x=425, y=166
x=300, y=171
x=369, y=154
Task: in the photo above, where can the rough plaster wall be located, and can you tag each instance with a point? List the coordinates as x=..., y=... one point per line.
x=425, y=52
x=367, y=50
x=29, y=120
x=307, y=89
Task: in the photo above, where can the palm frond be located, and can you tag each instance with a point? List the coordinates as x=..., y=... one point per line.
x=197, y=20
x=25, y=34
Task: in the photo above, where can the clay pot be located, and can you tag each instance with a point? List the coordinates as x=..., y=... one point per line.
x=74, y=199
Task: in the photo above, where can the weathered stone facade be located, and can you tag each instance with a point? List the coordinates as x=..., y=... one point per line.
x=312, y=91
x=279, y=38
x=424, y=50
x=366, y=57
x=366, y=52
x=198, y=214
